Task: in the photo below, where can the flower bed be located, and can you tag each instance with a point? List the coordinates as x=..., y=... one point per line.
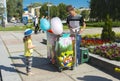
x=110, y=51
x=93, y=42
x=104, y=48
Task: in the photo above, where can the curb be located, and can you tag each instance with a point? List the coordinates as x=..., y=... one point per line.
x=104, y=64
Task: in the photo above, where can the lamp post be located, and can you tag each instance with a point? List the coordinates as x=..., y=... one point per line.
x=49, y=5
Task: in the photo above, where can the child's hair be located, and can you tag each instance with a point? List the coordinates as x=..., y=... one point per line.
x=25, y=38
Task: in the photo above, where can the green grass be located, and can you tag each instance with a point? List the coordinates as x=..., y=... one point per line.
x=65, y=27
x=16, y=28
x=20, y=28
x=13, y=28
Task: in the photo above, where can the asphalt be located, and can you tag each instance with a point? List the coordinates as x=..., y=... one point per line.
x=13, y=68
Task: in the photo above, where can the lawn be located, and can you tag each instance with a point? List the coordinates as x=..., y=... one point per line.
x=65, y=27
x=16, y=28
x=21, y=28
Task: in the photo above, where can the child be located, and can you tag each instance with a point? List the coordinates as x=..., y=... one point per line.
x=28, y=49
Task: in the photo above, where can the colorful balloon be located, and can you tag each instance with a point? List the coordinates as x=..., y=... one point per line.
x=44, y=24
x=50, y=31
x=56, y=26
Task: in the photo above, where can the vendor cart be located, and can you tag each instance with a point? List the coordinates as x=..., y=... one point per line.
x=60, y=50
x=64, y=51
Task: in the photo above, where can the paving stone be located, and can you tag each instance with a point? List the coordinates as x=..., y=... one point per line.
x=42, y=69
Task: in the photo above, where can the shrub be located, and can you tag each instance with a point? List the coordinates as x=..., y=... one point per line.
x=107, y=33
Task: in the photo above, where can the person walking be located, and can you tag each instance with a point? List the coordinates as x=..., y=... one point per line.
x=28, y=49
x=36, y=24
x=40, y=20
x=74, y=22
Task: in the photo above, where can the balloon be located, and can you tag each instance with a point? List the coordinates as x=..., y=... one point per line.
x=56, y=26
x=44, y=24
x=50, y=31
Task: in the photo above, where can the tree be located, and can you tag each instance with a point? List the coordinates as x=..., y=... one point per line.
x=101, y=8
x=1, y=9
x=62, y=11
x=36, y=4
x=85, y=14
x=59, y=10
x=77, y=11
x=107, y=33
x=14, y=8
x=54, y=11
x=19, y=9
x=44, y=10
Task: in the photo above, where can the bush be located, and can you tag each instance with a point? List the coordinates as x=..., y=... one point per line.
x=95, y=24
x=107, y=33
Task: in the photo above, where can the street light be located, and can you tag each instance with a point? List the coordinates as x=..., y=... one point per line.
x=49, y=5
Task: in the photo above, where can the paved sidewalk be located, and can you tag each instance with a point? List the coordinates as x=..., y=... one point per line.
x=12, y=63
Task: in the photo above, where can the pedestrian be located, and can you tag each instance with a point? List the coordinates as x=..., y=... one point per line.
x=36, y=24
x=15, y=22
x=40, y=20
x=28, y=50
x=33, y=19
x=74, y=22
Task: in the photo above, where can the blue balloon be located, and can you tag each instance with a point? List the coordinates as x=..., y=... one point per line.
x=44, y=24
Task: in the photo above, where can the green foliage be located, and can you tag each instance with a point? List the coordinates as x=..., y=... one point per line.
x=95, y=24
x=44, y=10
x=1, y=9
x=35, y=5
x=54, y=11
x=85, y=14
x=62, y=11
x=100, y=9
x=117, y=36
x=107, y=33
x=15, y=8
x=59, y=10
x=91, y=36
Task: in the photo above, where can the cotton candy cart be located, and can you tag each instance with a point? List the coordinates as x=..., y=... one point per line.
x=61, y=51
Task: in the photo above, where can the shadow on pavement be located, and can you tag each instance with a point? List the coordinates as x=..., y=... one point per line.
x=18, y=65
x=10, y=69
x=45, y=43
x=104, y=70
x=43, y=63
x=93, y=78
x=15, y=58
x=38, y=62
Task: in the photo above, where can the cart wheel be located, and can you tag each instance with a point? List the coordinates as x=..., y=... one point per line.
x=60, y=69
x=72, y=67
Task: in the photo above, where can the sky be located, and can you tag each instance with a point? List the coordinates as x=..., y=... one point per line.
x=75, y=3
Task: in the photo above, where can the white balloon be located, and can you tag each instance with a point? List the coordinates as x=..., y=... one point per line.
x=56, y=26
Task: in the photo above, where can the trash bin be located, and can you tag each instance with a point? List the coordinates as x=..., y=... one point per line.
x=84, y=54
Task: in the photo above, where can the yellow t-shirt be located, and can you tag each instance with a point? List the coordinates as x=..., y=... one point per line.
x=28, y=52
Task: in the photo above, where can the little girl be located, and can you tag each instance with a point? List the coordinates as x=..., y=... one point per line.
x=28, y=46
